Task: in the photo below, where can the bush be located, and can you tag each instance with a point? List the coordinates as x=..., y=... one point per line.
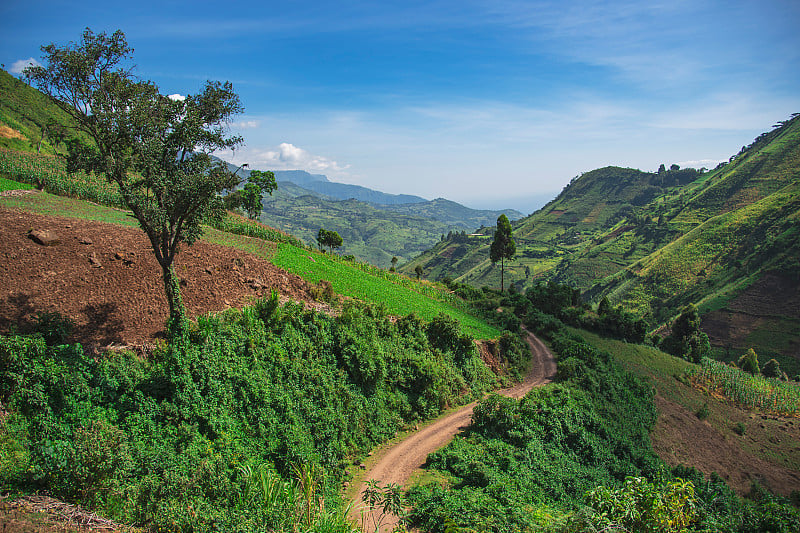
x=772, y=369
x=53, y=327
x=749, y=362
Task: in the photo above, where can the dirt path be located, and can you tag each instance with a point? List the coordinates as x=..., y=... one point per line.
x=396, y=464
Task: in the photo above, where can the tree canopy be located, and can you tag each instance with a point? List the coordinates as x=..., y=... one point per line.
x=503, y=247
x=156, y=148
x=331, y=239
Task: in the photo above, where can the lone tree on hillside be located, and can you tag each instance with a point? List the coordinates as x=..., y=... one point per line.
x=503, y=247
x=250, y=197
x=156, y=148
x=331, y=239
x=418, y=270
x=687, y=340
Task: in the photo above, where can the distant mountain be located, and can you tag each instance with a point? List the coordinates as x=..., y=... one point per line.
x=343, y=191
x=454, y=213
x=371, y=232
x=300, y=177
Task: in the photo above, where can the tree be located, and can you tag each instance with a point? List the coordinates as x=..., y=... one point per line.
x=418, y=270
x=749, y=362
x=394, y=263
x=687, y=340
x=331, y=239
x=155, y=148
x=503, y=247
x=772, y=369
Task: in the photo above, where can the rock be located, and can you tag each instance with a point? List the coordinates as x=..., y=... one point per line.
x=44, y=237
x=209, y=270
x=94, y=261
x=118, y=255
x=85, y=240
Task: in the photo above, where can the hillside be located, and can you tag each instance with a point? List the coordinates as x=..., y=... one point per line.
x=726, y=239
x=371, y=233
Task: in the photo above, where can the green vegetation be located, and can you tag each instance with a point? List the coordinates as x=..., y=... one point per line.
x=686, y=339
x=576, y=456
x=331, y=239
x=656, y=242
x=769, y=395
x=246, y=422
x=11, y=185
x=399, y=294
x=251, y=196
x=503, y=246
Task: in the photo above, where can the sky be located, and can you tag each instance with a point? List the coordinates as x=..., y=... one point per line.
x=493, y=104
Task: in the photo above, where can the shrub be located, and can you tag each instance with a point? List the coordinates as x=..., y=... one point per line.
x=772, y=369
x=749, y=362
x=54, y=327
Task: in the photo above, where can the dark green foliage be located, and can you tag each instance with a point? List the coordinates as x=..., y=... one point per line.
x=445, y=334
x=54, y=327
x=749, y=362
x=176, y=440
x=547, y=449
x=503, y=246
x=772, y=369
x=331, y=239
x=565, y=303
x=687, y=340
x=251, y=197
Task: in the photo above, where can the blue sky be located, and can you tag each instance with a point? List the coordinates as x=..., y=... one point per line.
x=489, y=103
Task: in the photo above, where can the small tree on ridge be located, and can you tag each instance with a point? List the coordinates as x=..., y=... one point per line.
x=503, y=247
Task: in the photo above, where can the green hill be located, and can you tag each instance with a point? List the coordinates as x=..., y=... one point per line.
x=371, y=233
x=726, y=239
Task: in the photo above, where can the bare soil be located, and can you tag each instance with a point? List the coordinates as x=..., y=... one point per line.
x=680, y=438
x=397, y=463
x=774, y=296
x=105, y=278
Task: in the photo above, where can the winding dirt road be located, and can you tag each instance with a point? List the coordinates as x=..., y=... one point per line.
x=396, y=464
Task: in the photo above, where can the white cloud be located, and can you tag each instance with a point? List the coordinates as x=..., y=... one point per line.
x=246, y=124
x=18, y=66
x=700, y=163
x=290, y=157
x=177, y=97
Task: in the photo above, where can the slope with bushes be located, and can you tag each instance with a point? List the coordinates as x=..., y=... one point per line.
x=725, y=239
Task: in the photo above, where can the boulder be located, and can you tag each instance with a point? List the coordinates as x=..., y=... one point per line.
x=44, y=237
x=94, y=261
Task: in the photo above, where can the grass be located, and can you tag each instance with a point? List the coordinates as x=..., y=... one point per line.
x=11, y=185
x=398, y=297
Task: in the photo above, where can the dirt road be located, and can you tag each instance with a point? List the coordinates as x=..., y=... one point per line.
x=396, y=464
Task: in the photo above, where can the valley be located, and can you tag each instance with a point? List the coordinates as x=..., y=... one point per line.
x=298, y=377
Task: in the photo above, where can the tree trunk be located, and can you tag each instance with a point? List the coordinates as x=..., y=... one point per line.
x=502, y=273
x=172, y=289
